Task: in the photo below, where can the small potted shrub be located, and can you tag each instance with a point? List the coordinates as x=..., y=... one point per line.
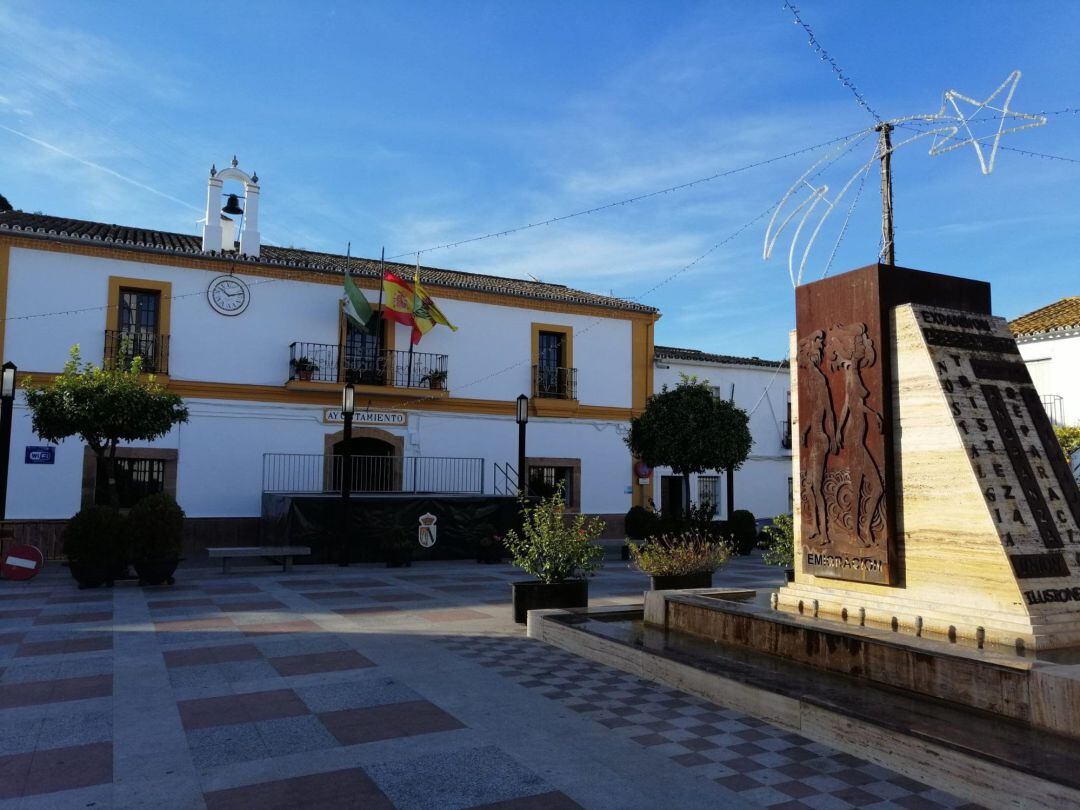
x=155, y=535
x=94, y=546
x=686, y=560
x=742, y=529
x=641, y=524
x=559, y=552
x=780, y=544
x=305, y=368
x=435, y=380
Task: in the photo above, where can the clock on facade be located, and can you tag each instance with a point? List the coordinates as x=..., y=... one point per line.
x=228, y=295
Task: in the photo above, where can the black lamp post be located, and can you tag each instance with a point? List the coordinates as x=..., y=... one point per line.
x=522, y=418
x=348, y=407
x=7, y=403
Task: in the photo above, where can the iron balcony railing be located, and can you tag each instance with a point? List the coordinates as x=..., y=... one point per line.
x=552, y=382
x=123, y=347
x=315, y=473
x=785, y=434
x=328, y=362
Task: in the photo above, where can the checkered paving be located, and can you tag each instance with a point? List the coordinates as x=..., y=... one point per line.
x=271, y=690
x=767, y=765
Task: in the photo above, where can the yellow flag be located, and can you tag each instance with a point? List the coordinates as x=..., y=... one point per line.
x=425, y=313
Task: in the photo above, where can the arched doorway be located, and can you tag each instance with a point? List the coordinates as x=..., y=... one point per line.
x=376, y=459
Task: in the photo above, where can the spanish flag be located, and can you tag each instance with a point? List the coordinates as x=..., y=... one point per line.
x=398, y=300
x=425, y=313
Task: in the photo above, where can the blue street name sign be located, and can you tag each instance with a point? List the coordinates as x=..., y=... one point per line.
x=40, y=455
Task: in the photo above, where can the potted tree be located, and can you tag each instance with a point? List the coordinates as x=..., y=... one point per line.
x=686, y=560
x=742, y=529
x=305, y=368
x=155, y=528
x=94, y=546
x=103, y=407
x=435, y=379
x=780, y=544
x=558, y=551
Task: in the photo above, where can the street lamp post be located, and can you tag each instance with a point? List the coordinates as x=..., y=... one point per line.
x=7, y=403
x=522, y=418
x=348, y=406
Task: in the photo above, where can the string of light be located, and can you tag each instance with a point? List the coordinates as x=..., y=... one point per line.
x=628, y=201
x=298, y=275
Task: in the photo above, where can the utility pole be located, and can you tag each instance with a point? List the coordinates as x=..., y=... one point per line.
x=888, y=247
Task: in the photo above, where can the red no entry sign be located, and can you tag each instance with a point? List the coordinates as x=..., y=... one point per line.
x=22, y=562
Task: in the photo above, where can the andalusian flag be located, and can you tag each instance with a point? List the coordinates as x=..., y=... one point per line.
x=425, y=313
x=397, y=300
x=357, y=308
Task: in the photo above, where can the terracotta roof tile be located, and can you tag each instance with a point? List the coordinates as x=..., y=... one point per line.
x=1063, y=314
x=141, y=239
x=694, y=355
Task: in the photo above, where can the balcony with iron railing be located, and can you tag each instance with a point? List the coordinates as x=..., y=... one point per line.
x=329, y=363
x=785, y=434
x=553, y=382
x=121, y=347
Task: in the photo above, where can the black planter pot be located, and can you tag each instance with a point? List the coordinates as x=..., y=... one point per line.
x=157, y=572
x=535, y=595
x=672, y=582
x=92, y=575
x=790, y=574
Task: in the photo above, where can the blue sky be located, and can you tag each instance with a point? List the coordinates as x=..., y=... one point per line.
x=411, y=125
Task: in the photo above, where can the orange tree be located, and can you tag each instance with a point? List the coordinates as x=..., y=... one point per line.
x=103, y=407
x=690, y=430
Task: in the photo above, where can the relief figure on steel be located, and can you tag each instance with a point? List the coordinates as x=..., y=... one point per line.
x=817, y=436
x=842, y=494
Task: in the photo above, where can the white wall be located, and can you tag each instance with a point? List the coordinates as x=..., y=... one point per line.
x=761, y=484
x=1055, y=369
x=253, y=348
x=221, y=452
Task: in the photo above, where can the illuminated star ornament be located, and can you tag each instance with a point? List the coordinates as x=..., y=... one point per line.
x=807, y=204
x=943, y=142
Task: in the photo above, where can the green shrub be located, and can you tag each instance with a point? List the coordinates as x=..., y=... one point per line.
x=780, y=542
x=551, y=547
x=642, y=523
x=155, y=528
x=674, y=555
x=95, y=536
x=742, y=528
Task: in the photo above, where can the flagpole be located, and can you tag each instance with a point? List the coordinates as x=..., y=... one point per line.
x=409, y=383
x=379, y=329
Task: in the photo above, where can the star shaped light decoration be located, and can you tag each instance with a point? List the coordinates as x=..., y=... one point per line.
x=946, y=141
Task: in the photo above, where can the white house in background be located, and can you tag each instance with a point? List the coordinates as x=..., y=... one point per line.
x=1049, y=341
x=222, y=319
x=761, y=387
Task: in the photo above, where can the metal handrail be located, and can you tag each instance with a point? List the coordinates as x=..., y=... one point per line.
x=329, y=362
x=319, y=473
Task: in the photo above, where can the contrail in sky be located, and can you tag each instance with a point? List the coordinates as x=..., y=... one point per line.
x=98, y=166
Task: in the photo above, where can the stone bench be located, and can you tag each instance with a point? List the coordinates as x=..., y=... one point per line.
x=272, y=553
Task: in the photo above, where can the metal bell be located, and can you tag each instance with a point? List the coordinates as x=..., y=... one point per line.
x=232, y=206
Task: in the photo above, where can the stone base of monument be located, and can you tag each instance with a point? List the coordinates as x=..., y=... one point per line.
x=991, y=726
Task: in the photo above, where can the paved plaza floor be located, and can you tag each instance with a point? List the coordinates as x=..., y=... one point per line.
x=370, y=687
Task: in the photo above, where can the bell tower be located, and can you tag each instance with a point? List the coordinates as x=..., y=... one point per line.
x=213, y=232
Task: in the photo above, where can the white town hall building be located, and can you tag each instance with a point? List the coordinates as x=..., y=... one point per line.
x=254, y=338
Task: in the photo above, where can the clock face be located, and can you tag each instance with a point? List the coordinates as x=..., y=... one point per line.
x=228, y=295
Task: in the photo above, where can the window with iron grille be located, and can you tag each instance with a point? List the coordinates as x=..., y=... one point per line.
x=708, y=490
x=544, y=481
x=135, y=479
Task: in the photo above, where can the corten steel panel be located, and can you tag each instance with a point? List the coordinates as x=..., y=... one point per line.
x=845, y=413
